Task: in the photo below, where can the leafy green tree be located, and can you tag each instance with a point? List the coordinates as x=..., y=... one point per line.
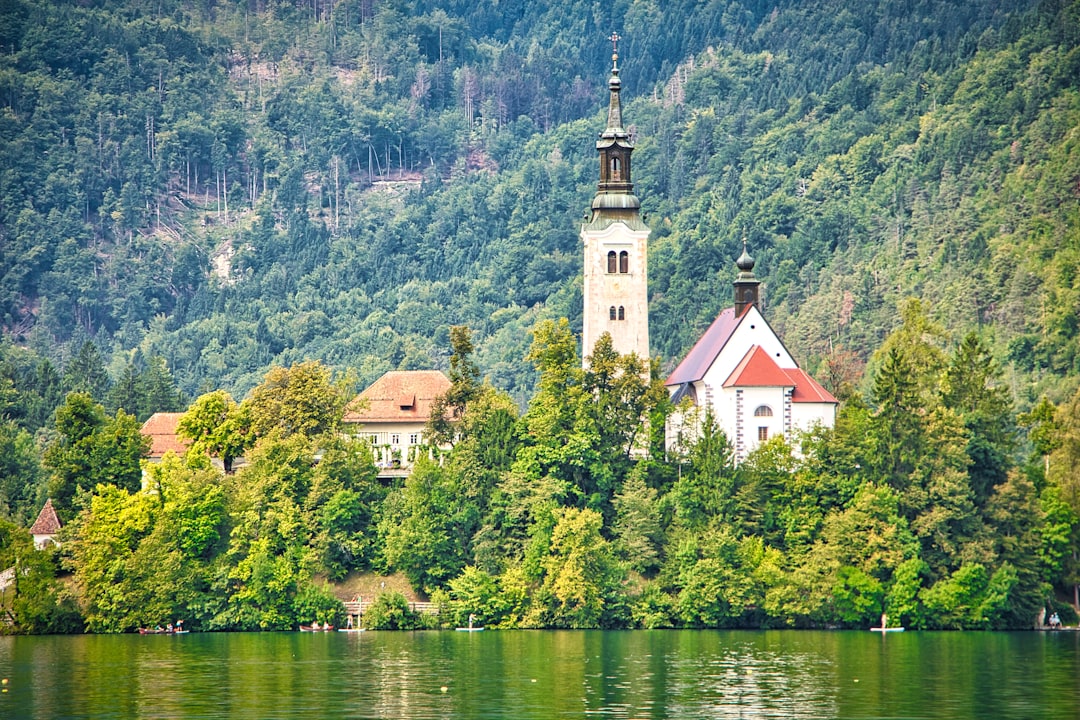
x=582, y=576
x=707, y=490
x=638, y=528
x=92, y=449
x=107, y=535
x=345, y=494
x=448, y=409
x=317, y=604
x=969, y=599
x=304, y=399
x=902, y=603
x=899, y=431
x=1043, y=433
x=217, y=426
x=390, y=611
x=716, y=578
x=476, y=593
x=1063, y=476
x=1016, y=515
x=20, y=473
x=36, y=603
x=624, y=392
x=425, y=527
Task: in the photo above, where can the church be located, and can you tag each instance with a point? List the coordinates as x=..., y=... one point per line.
x=740, y=372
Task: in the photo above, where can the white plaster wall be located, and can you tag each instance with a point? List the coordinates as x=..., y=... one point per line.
x=805, y=416
x=753, y=397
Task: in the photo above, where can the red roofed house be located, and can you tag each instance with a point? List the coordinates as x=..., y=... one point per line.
x=161, y=429
x=45, y=527
x=741, y=371
x=392, y=413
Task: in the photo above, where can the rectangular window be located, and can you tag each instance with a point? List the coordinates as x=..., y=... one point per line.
x=414, y=439
x=395, y=439
x=762, y=434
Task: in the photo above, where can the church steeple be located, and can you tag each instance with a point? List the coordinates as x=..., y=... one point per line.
x=615, y=191
x=615, y=240
x=746, y=284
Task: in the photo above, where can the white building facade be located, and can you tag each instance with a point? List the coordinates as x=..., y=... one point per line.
x=741, y=373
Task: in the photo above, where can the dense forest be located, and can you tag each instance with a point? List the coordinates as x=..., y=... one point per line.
x=196, y=196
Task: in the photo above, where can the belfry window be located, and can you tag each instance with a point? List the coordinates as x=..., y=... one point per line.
x=611, y=262
x=611, y=313
x=616, y=169
x=763, y=411
x=624, y=262
x=622, y=313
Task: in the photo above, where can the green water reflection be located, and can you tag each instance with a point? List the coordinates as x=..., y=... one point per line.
x=541, y=674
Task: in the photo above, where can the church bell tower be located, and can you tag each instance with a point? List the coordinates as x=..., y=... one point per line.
x=616, y=242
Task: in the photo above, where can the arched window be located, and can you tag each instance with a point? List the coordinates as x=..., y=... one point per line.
x=622, y=313
x=624, y=262
x=611, y=262
x=616, y=169
x=611, y=313
x=763, y=411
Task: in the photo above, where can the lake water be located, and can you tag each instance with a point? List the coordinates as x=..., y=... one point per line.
x=520, y=675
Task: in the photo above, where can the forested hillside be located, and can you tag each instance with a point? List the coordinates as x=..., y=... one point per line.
x=229, y=186
x=243, y=210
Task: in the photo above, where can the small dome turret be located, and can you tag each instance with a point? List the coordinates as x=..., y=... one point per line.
x=746, y=284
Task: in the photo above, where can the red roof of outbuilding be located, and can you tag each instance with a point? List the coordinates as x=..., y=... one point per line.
x=705, y=350
x=47, y=523
x=400, y=396
x=161, y=429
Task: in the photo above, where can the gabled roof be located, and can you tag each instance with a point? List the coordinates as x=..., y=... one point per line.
x=47, y=522
x=705, y=350
x=161, y=429
x=757, y=369
x=808, y=390
x=399, y=396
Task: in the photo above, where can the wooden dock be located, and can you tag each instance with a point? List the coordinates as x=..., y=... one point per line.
x=356, y=607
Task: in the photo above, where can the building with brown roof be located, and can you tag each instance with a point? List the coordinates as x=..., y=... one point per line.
x=391, y=414
x=46, y=527
x=161, y=429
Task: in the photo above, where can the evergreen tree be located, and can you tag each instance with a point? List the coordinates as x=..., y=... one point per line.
x=86, y=372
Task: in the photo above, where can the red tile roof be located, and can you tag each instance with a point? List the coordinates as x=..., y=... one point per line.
x=757, y=369
x=161, y=429
x=47, y=523
x=705, y=350
x=808, y=390
x=400, y=396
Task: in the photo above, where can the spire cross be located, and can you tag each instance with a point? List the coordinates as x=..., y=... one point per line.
x=615, y=38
